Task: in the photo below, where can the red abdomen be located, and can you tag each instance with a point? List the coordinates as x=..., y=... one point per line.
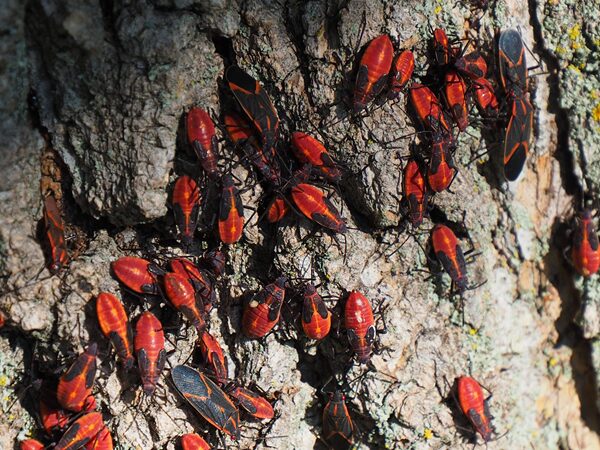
x=415, y=192
x=472, y=404
x=149, y=345
x=115, y=326
x=585, y=252
x=360, y=325
x=74, y=391
x=262, y=313
x=373, y=69
x=201, y=136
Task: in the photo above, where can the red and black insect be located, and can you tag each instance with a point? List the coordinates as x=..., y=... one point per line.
x=256, y=103
x=360, y=325
x=182, y=296
x=514, y=80
x=338, y=429
x=186, y=206
x=472, y=65
x=214, y=261
x=82, y=431
x=277, y=209
x=415, y=192
x=207, y=399
x=115, y=326
x=401, y=73
x=254, y=404
x=213, y=356
x=55, y=234
x=193, y=441
x=441, y=170
x=314, y=204
x=242, y=134
x=201, y=136
x=31, y=444
x=455, y=91
x=475, y=406
x=137, y=274
x=149, y=345
x=585, y=252
x=441, y=47
x=102, y=441
x=316, y=318
x=373, y=71
x=199, y=279
x=429, y=109
x=53, y=417
x=74, y=391
x=262, y=312
x=450, y=255
x=517, y=136
x=485, y=97
x=309, y=150
x=231, y=212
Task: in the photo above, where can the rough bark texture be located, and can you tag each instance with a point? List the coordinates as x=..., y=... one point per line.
x=111, y=82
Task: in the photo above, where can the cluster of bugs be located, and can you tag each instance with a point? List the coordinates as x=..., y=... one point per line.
x=293, y=180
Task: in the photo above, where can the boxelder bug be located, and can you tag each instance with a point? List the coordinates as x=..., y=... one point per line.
x=186, y=206
x=402, y=71
x=149, y=345
x=193, y=441
x=262, y=313
x=474, y=406
x=312, y=202
x=472, y=65
x=455, y=91
x=102, y=441
x=199, y=279
x=207, y=399
x=214, y=261
x=309, y=150
x=415, y=192
x=429, y=109
x=316, y=318
x=441, y=47
x=450, y=255
x=514, y=80
x=81, y=432
x=277, y=209
x=213, y=356
x=182, y=296
x=256, y=103
x=585, y=252
x=517, y=136
x=202, y=138
x=55, y=233
x=74, y=391
x=242, y=135
x=115, y=326
x=441, y=169
x=231, y=212
x=485, y=98
x=254, y=404
x=373, y=70
x=338, y=429
x=53, y=417
x=137, y=274
x=31, y=444
x=360, y=325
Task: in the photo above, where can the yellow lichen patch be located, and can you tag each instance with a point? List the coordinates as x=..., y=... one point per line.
x=473, y=331
x=595, y=94
x=438, y=9
x=427, y=433
x=552, y=362
x=3, y=380
x=574, y=32
x=574, y=68
x=596, y=113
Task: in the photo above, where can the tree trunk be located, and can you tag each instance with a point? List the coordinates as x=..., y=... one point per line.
x=94, y=94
